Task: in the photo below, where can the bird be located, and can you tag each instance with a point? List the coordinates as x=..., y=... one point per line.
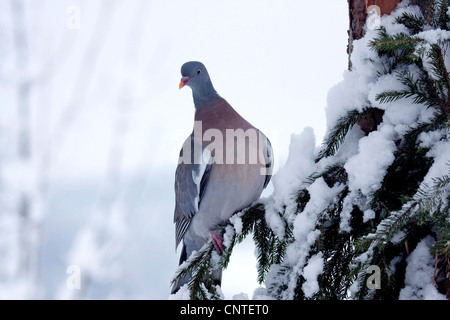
x=224, y=165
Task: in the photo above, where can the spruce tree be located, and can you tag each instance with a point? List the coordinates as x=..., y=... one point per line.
x=355, y=229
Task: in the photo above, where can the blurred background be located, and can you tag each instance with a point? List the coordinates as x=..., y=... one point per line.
x=91, y=123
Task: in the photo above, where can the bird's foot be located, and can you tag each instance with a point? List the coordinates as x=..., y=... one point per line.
x=217, y=242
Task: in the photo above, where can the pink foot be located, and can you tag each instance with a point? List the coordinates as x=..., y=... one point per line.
x=217, y=242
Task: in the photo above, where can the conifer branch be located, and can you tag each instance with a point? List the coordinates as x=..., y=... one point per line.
x=197, y=265
x=337, y=135
x=414, y=23
x=421, y=90
x=387, y=44
x=402, y=210
x=200, y=265
x=422, y=208
x=439, y=70
x=442, y=19
x=405, y=208
x=398, y=42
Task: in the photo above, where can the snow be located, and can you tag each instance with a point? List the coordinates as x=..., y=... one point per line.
x=369, y=214
x=401, y=114
x=159, y=116
x=433, y=36
x=366, y=169
x=275, y=221
x=260, y=293
x=426, y=60
x=348, y=149
x=236, y=220
x=299, y=165
x=84, y=80
x=398, y=237
x=383, y=83
x=289, y=179
x=240, y=296
x=388, y=21
x=353, y=92
x=393, y=264
x=440, y=167
x=360, y=86
x=182, y=294
x=430, y=138
x=365, y=158
x=311, y=271
x=362, y=260
x=228, y=236
x=348, y=95
x=419, y=274
x=305, y=233
x=321, y=196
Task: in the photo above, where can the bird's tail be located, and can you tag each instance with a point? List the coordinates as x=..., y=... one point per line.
x=185, y=279
x=217, y=274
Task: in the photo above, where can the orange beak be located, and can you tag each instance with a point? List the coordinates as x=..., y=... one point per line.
x=183, y=82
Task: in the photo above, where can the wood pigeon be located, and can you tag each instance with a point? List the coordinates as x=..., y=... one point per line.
x=224, y=166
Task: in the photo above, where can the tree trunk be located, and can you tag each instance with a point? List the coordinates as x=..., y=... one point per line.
x=358, y=10
x=357, y=15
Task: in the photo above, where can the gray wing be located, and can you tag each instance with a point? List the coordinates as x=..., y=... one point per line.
x=191, y=180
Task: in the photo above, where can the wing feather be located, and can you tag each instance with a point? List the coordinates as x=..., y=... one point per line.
x=191, y=180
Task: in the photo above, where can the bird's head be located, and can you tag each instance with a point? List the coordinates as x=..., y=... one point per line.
x=195, y=76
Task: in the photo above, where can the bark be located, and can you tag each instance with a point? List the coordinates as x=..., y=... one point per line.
x=427, y=8
x=357, y=15
x=358, y=10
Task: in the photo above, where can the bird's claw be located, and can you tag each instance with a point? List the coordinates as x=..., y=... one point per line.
x=217, y=242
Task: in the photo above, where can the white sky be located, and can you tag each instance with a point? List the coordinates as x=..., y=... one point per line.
x=273, y=61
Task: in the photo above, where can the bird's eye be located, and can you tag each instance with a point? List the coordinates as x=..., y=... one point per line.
x=199, y=71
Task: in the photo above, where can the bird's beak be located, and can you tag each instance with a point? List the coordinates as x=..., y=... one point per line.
x=183, y=82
